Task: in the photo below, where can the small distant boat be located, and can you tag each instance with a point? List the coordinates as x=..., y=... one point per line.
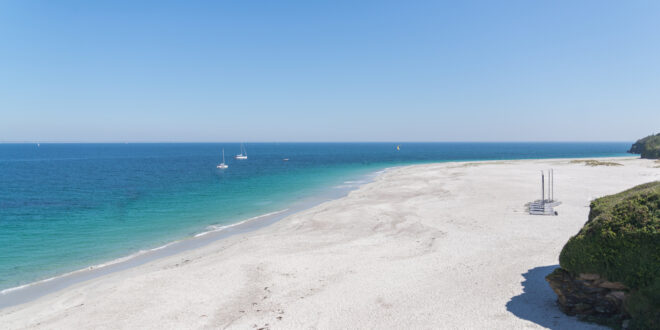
x=223, y=165
x=243, y=154
x=286, y=159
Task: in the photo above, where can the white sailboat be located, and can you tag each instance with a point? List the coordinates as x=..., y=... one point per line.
x=223, y=165
x=243, y=154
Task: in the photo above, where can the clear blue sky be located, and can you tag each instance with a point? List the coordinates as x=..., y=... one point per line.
x=329, y=70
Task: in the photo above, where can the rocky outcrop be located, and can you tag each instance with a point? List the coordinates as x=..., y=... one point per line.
x=588, y=294
x=648, y=147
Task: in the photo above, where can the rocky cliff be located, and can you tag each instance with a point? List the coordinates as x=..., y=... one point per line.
x=610, y=270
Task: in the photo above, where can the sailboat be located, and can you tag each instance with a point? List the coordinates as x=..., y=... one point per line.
x=223, y=165
x=243, y=154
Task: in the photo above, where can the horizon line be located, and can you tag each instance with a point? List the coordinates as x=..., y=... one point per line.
x=210, y=142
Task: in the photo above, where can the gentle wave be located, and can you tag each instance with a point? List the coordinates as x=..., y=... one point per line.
x=215, y=228
x=212, y=229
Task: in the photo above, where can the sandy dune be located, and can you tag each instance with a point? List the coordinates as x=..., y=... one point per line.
x=430, y=246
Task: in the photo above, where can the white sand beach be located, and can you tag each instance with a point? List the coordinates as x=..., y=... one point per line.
x=433, y=246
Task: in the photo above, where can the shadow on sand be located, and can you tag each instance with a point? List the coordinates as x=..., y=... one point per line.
x=538, y=304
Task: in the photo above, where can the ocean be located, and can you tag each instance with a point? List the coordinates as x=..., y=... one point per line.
x=65, y=207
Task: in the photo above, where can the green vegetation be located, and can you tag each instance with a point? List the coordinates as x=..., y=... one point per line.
x=591, y=162
x=621, y=242
x=643, y=306
x=648, y=147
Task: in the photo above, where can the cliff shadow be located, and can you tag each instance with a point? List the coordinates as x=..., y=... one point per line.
x=538, y=303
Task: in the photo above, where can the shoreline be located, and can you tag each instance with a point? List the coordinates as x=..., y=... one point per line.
x=25, y=293
x=246, y=226
x=28, y=292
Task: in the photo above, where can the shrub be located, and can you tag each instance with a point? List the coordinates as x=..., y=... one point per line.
x=621, y=242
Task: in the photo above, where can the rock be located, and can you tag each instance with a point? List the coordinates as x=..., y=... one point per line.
x=582, y=308
x=613, y=285
x=591, y=288
x=619, y=295
x=601, y=309
x=589, y=277
x=625, y=324
x=583, y=295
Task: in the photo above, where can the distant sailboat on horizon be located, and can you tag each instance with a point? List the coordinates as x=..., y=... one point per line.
x=223, y=165
x=243, y=154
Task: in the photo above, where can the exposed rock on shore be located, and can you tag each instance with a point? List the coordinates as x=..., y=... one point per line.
x=588, y=294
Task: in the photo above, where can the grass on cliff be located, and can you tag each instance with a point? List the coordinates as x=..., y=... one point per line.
x=621, y=242
x=648, y=147
x=621, y=239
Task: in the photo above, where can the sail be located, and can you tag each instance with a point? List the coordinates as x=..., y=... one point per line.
x=243, y=154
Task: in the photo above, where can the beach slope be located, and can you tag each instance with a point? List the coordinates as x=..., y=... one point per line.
x=428, y=246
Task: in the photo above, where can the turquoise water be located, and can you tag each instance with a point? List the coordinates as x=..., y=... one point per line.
x=67, y=206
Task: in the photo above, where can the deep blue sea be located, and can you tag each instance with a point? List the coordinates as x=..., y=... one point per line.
x=67, y=206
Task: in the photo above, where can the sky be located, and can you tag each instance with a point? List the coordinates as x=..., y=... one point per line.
x=261, y=71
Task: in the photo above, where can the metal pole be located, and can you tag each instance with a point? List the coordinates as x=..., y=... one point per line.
x=542, y=188
x=550, y=185
x=552, y=197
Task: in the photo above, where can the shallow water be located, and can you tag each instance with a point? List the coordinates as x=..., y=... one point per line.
x=67, y=206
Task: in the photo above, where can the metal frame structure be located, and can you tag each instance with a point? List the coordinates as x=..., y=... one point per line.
x=545, y=206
